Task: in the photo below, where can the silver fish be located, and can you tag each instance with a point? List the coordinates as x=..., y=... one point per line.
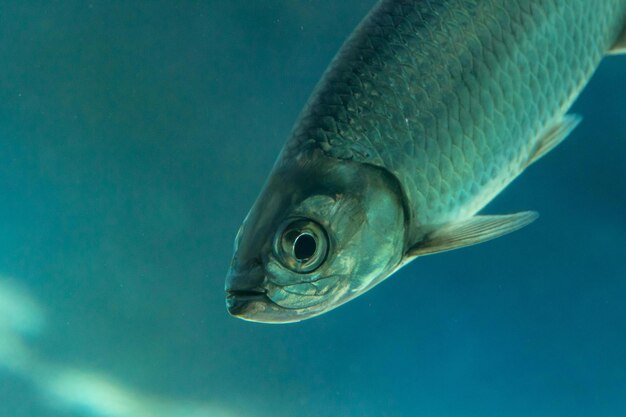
x=428, y=111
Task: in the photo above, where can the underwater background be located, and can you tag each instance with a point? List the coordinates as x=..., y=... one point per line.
x=134, y=137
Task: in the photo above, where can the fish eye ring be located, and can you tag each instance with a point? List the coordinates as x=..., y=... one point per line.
x=301, y=245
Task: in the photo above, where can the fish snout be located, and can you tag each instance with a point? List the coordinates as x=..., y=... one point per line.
x=245, y=285
x=245, y=277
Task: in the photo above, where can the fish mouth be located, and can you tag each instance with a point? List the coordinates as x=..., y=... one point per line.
x=245, y=290
x=249, y=296
x=245, y=294
x=256, y=306
x=239, y=301
x=243, y=302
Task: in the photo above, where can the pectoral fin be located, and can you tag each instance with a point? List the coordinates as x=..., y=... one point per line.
x=620, y=45
x=555, y=135
x=468, y=232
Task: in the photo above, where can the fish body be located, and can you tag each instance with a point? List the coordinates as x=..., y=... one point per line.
x=427, y=112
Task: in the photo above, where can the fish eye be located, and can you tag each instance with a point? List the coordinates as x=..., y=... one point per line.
x=301, y=245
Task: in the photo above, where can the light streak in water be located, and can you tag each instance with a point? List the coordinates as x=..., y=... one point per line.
x=87, y=392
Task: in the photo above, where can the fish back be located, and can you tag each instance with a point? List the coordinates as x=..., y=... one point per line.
x=451, y=96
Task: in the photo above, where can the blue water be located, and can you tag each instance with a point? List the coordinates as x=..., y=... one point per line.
x=134, y=136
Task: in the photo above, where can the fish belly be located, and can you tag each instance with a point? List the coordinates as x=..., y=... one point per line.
x=452, y=96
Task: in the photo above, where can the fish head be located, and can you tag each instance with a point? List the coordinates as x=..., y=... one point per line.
x=321, y=232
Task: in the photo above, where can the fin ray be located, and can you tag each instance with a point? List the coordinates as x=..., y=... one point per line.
x=469, y=232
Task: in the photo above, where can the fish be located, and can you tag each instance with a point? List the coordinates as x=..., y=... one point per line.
x=427, y=112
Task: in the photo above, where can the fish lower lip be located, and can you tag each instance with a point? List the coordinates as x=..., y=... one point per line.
x=242, y=302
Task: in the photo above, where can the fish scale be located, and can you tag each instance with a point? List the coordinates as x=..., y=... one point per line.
x=451, y=96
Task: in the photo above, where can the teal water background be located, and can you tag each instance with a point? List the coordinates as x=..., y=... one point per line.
x=134, y=136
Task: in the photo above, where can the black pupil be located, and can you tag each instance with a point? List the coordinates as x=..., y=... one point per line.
x=304, y=247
